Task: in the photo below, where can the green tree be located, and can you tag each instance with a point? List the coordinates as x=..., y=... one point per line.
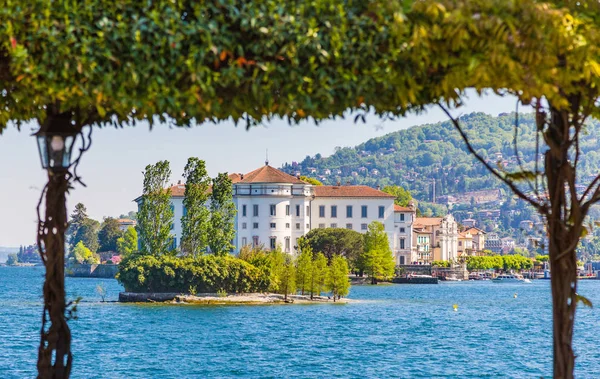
x=128, y=243
x=12, y=260
x=81, y=254
x=78, y=216
x=222, y=216
x=337, y=279
x=337, y=241
x=377, y=259
x=87, y=233
x=310, y=180
x=318, y=275
x=155, y=216
x=283, y=273
x=403, y=197
x=196, y=215
x=304, y=267
x=108, y=235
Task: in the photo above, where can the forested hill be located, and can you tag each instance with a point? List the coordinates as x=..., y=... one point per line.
x=416, y=156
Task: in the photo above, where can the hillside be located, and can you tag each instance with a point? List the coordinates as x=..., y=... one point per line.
x=415, y=157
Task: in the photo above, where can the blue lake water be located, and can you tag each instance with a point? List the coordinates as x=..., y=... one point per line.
x=399, y=331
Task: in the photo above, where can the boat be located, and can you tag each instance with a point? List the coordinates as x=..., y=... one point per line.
x=452, y=279
x=510, y=278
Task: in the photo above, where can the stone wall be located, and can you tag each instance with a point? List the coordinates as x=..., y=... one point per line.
x=92, y=271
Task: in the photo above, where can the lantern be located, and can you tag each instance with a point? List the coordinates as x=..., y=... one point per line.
x=55, y=143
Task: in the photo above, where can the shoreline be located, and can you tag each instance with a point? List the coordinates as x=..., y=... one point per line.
x=230, y=299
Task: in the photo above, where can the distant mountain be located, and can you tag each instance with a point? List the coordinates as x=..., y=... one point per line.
x=416, y=157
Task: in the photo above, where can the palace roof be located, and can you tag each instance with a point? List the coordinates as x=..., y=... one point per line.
x=268, y=174
x=349, y=191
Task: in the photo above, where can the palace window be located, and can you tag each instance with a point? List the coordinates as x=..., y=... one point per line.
x=273, y=242
x=244, y=210
x=402, y=230
x=297, y=211
x=402, y=243
x=287, y=244
x=349, y=226
x=298, y=226
x=287, y=225
x=381, y=211
x=321, y=211
x=273, y=209
x=401, y=216
x=321, y=226
x=363, y=211
x=244, y=241
x=349, y=211
x=333, y=211
x=273, y=226
x=255, y=210
x=255, y=241
x=334, y=225
x=363, y=226
x=255, y=225
x=244, y=225
x=287, y=210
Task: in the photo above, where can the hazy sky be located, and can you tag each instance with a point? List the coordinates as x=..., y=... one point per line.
x=112, y=169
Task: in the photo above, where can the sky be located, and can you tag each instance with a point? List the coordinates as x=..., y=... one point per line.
x=112, y=168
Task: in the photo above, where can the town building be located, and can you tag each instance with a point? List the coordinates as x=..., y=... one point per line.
x=443, y=233
x=478, y=238
x=493, y=243
x=125, y=223
x=404, y=218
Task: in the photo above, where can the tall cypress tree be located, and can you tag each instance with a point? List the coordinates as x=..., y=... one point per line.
x=196, y=215
x=222, y=218
x=155, y=217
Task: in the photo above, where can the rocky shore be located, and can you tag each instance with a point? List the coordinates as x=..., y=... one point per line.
x=216, y=299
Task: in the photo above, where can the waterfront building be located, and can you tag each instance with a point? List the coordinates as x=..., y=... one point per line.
x=465, y=244
x=478, y=238
x=276, y=209
x=493, y=243
x=444, y=236
x=403, y=226
x=125, y=223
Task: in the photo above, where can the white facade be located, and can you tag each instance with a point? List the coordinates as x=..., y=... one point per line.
x=403, y=230
x=271, y=214
x=275, y=209
x=350, y=214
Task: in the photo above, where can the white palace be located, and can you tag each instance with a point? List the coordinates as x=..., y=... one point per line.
x=275, y=209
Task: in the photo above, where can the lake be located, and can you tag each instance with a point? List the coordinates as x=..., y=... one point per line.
x=399, y=331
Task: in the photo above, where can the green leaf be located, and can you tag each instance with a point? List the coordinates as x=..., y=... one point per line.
x=584, y=300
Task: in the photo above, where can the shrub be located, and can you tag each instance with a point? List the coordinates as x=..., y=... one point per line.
x=207, y=274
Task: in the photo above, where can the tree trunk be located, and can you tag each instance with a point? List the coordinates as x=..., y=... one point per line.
x=562, y=238
x=54, y=359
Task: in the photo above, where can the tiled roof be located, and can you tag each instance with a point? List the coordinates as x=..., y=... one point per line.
x=428, y=221
x=178, y=190
x=474, y=230
x=398, y=208
x=349, y=191
x=268, y=174
x=465, y=235
x=125, y=221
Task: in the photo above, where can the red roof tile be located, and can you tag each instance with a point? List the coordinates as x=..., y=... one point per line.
x=428, y=221
x=349, y=191
x=178, y=190
x=398, y=208
x=268, y=174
